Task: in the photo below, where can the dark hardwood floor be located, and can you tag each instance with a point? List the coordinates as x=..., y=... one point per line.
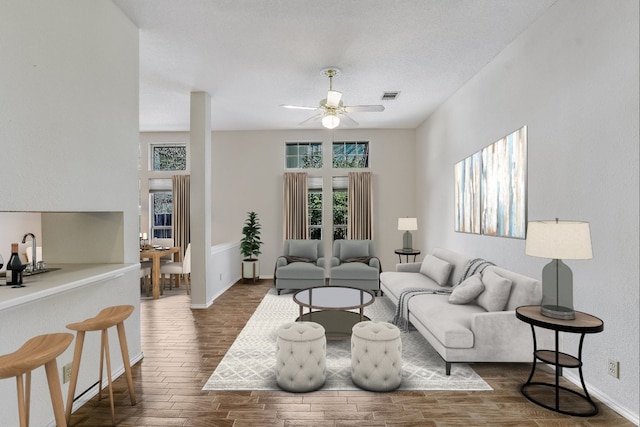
x=182, y=347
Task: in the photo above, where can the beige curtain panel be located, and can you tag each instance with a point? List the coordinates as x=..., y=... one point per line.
x=295, y=222
x=360, y=206
x=181, y=221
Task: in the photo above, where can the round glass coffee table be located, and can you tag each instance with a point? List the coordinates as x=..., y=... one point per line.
x=329, y=306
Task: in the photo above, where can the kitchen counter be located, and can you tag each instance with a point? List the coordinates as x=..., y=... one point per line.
x=68, y=277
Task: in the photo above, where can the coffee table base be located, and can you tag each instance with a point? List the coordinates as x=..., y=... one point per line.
x=337, y=324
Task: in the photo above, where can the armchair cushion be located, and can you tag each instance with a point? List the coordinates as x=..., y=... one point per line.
x=353, y=249
x=304, y=249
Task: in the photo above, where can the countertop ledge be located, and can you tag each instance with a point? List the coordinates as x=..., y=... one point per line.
x=70, y=276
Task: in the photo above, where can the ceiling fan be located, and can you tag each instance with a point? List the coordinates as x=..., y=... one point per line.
x=331, y=109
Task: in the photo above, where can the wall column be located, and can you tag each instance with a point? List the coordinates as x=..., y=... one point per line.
x=200, y=144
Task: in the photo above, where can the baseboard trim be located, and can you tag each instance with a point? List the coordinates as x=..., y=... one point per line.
x=604, y=398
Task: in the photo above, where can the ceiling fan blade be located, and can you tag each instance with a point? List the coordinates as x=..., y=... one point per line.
x=363, y=108
x=298, y=107
x=348, y=121
x=311, y=119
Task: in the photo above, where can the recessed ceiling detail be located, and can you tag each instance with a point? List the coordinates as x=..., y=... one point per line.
x=390, y=96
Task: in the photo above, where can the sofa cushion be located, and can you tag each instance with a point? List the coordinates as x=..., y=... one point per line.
x=458, y=263
x=524, y=291
x=467, y=291
x=304, y=249
x=353, y=249
x=496, y=291
x=449, y=323
x=436, y=269
x=354, y=271
x=394, y=283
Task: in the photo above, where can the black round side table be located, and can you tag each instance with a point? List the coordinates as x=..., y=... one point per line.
x=583, y=324
x=407, y=252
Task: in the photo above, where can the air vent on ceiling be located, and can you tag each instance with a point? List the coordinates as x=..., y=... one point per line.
x=390, y=96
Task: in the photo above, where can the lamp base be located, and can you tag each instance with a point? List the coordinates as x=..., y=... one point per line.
x=557, y=312
x=406, y=241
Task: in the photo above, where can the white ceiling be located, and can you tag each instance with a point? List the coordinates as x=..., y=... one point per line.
x=251, y=56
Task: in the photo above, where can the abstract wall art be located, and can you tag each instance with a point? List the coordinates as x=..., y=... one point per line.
x=491, y=189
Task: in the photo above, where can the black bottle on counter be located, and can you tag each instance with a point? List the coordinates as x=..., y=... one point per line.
x=15, y=267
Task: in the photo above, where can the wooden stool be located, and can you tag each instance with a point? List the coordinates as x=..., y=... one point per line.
x=38, y=351
x=110, y=316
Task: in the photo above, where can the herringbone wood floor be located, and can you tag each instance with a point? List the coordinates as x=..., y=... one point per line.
x=182, y=347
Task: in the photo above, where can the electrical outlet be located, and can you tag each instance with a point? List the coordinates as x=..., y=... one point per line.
x=66, y=373
x=614, y=368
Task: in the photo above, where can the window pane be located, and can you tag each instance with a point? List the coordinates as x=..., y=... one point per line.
x=339, y=212
x=168, y=157
x=315, y=213
x=303, y=155
x=162, y=206
x=351, y=154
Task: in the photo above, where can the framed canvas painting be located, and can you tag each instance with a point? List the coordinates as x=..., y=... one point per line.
x=467, y=174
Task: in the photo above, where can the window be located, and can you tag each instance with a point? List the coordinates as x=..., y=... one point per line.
x=303, y=155
x=162, y=205
x=351, y=154
x=339, y=185
x=315, y=207
x=168, y=157
x=160, y=208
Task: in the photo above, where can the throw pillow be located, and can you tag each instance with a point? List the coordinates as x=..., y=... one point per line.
x=436, y=269
x=304, y=249
x=467, y=291
x=496, y=291
x=353, y=249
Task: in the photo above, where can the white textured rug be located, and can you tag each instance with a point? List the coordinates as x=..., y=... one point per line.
x=249, y=363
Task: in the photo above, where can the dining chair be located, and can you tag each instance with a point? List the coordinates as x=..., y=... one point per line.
x=145, y=276
x=180, y=269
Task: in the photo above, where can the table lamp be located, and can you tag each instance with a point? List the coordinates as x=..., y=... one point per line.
x=407, y=225
x=558, y=239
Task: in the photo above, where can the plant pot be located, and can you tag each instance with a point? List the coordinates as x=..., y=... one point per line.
x=250, y=270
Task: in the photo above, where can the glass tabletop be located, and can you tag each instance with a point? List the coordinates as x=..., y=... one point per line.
x=333, y=297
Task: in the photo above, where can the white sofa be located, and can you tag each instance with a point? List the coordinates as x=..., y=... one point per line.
x=468, y=332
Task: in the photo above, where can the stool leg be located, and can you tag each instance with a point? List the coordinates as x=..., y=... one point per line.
x=23, y=408
x=105, y=350
x=122, y=336
x=55, y=390
x=75, y=368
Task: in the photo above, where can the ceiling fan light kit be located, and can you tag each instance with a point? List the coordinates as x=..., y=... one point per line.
x=332, y=109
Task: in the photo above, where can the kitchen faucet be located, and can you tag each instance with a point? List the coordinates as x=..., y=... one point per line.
x=34, y=261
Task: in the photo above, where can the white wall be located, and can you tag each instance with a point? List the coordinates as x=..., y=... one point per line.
x=572, y=78
x=68, y=120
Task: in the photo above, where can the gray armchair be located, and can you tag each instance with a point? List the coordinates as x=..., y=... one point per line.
x=354, y=264
x=301, y=265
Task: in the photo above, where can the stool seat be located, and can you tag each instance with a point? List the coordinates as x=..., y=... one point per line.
x=33, y=354
x=107, y=318
x=36, y=352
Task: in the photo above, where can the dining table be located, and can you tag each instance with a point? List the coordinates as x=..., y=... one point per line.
x=154, y=254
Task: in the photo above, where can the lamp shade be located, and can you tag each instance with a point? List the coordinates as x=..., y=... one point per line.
x=333, y=98
x=330, y=121
x=559, y=239
x=407, y=224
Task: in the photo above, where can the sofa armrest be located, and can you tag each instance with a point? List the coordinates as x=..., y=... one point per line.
x=281, y=262
x=334, y=261
x=320, y=262
x=505, y=336
x=374, y=262
x=409, y=267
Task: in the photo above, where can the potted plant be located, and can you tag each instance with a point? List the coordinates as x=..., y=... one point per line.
x=250, y=247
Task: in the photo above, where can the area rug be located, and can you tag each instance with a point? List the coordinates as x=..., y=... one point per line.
x=249, y=363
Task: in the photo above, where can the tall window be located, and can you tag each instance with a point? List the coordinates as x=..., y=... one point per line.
x=339, y=186
x=168, y=157
x=303, y=155
x=162, y=206
x=351, y=154
x=315, y=207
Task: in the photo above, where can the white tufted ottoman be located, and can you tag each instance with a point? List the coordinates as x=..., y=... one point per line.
x=376, y=356
x=300, y=356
